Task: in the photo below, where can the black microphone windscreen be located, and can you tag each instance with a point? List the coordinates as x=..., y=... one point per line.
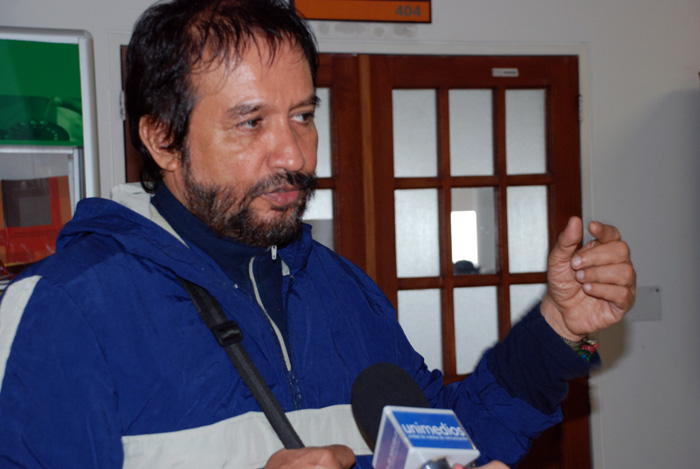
x=380, y=385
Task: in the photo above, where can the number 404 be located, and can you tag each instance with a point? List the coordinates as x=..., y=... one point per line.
x=408, y=10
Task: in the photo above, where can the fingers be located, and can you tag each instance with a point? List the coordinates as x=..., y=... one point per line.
x=614, y=283
x=569, y=239
x=590, y=288
x=605, y=270
x=621, y=274
x=493, y=465
x=343, y=455
x=621, y=297
x=325, y=457
x=596, y=254
x=604, y=233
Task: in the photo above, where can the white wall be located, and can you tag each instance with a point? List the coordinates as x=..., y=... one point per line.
x=641, y=160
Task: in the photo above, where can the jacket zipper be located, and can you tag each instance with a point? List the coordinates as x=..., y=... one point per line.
x=291, y=378
x=280, y=339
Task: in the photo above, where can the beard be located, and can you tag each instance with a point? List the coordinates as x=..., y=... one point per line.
x=229, y=214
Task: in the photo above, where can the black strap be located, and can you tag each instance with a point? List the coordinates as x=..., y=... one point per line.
x=229, y=336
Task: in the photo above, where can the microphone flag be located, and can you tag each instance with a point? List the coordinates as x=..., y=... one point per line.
x=410, y=436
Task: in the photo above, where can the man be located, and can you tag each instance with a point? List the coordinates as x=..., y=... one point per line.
x=104, y=360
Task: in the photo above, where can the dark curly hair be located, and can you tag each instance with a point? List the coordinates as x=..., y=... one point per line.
x=171, y=38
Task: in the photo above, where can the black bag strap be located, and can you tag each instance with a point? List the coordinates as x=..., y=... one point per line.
x=229, y=336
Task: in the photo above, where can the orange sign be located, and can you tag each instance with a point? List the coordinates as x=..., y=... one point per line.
x=417, y=11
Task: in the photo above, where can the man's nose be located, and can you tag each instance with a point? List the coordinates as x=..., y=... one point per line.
x=288, y=152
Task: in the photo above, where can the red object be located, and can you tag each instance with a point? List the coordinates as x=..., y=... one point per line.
x=27, y=244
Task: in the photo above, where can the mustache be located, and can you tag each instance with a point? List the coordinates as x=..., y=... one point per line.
x=296, y=180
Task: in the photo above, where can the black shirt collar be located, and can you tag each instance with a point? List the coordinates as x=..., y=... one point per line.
x=233, y=257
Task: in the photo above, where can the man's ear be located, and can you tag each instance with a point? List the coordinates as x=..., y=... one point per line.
x=154, y=135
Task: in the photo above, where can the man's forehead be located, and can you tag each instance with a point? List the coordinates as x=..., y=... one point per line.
x=258, y=48
x=256, y=62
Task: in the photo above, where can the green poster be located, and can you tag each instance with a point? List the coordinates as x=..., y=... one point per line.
x=40, y=94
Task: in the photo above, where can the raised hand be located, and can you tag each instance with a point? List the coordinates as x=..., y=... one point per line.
x=591, y=288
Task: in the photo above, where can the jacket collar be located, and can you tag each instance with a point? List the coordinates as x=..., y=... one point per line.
x=132, y=220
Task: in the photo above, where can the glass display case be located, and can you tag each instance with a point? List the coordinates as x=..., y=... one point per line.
x=48, y=139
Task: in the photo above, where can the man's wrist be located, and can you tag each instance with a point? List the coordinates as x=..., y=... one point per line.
x=584, y=348
x=555, y=319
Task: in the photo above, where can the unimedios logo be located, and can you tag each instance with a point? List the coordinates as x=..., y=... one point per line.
x=433, y=430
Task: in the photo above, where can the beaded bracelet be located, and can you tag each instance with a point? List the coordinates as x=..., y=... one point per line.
x=585, y=348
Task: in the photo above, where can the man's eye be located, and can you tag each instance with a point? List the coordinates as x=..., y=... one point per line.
x=251, y=123
x=304, y=117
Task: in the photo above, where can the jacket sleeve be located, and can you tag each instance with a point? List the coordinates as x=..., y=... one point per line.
x=57, y=401
x=534, y=364
x=514, y=393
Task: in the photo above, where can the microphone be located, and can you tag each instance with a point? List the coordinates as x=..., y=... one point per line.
x=397, y=422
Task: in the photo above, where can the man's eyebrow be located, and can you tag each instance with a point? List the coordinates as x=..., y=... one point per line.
x=244, y=109
x=312, y=101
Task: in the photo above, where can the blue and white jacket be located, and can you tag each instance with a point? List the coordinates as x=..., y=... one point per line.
x=105, y=362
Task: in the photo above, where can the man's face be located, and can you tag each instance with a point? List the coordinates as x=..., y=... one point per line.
x=250, y=153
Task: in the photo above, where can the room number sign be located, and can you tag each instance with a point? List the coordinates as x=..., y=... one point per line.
x=417, y=11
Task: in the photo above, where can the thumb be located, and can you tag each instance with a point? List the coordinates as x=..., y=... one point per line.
x=569, y=239
x=493, y=465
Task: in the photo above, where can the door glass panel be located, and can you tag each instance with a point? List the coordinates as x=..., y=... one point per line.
x=471, y=132
x=319, y=214
x=476, y=324
x=473, y=223
x=323, y=127
x=523, y=298
x=525, y=131
x=417, y=248
x=419, y=316
x=415, y=133
x=527, y=228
